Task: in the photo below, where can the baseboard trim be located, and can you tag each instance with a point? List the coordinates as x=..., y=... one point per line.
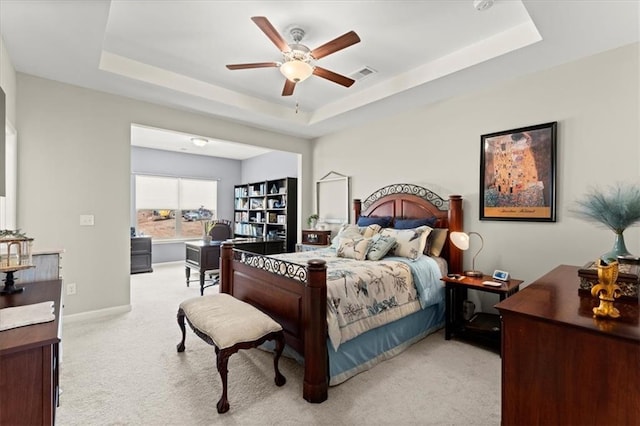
x=83, y=316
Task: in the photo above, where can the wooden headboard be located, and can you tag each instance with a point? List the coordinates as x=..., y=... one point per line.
x=415, y=202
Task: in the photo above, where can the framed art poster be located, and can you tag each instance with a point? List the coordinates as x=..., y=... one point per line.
x=518, y=174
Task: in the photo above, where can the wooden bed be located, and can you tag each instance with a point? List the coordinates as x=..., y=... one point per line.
x=296, y=296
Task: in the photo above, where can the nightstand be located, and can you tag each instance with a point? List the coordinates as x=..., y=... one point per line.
x=483, y=327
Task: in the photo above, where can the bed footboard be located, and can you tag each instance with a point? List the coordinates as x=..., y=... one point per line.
x=294, y=296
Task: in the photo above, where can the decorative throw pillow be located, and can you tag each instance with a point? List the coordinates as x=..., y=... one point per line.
x=346, y=231
x=410, y=242
x=435, y=242
x=400, y=223
x=370, y=231
x=380, y=246
x=353, y=248
x=383, y=221
x=355, y=231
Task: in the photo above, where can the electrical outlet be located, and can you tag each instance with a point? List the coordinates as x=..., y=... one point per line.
x=71, y=289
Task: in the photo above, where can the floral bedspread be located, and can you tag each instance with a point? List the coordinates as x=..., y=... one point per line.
x=362, y=295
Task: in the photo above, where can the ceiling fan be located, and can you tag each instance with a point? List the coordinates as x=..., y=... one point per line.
x=298, y=59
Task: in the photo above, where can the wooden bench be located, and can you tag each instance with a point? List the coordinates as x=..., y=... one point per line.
x=229, y=325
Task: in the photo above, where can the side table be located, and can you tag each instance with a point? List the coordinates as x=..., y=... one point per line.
x=482, y=327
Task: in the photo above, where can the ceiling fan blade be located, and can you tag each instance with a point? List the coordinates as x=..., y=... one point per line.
x=288, y=87
x=273, y=34
x=336, y=44
x=332, y=76
x=253, y=65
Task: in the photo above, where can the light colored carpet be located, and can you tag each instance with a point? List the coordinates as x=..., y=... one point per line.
x=124, y=370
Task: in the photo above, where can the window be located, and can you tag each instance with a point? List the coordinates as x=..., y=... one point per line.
x=174, y=208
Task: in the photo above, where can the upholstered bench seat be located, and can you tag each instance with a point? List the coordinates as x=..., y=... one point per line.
x=229, y=325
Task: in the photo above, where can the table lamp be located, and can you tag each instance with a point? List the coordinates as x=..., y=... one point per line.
x=461, y=240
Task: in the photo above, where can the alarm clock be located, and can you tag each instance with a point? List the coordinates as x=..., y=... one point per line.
x=500, y=275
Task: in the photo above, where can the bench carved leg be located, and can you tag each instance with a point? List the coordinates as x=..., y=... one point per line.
x=180, y=346
x=280, y=379
x=222, y=359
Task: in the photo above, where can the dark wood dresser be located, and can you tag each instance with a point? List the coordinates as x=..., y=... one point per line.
x=29, y=360
x=562, y=366
x=141, y=252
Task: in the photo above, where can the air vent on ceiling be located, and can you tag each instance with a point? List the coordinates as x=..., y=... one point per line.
x=362, y=73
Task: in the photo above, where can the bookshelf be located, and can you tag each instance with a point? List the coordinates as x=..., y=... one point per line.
x=267, y=209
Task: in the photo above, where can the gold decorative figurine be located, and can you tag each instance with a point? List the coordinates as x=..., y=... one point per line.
x=606, y=290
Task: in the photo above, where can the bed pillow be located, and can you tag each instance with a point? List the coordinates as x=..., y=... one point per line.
x=383, y=221
x=380, y=246
x=410, y=243
x=353, y=248
x=435, y=242
x=400, y=223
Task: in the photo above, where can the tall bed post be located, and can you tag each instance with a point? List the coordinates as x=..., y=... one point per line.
x=226, y=267
x=316, y=360
x=455, y=224
x=357, y=208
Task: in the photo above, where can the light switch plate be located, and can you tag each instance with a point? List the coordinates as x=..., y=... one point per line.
x=86, y=220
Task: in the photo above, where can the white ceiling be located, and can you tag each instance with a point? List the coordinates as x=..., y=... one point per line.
x=168, y=140
x=174, y=52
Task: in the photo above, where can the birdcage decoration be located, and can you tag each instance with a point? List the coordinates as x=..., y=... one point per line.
x=15, y=255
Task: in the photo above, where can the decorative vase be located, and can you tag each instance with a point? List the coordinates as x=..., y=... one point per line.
x=206, y=239
x=606, y=290
x=619, y=248
x=313, y=223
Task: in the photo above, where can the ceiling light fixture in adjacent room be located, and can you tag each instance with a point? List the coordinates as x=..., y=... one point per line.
x=199, y=142
x=481, y=5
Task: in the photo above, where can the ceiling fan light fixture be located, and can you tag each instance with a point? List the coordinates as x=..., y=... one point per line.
x=199, y=142
x=296, y=70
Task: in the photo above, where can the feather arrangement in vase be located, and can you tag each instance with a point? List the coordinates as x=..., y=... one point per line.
x=616, y=207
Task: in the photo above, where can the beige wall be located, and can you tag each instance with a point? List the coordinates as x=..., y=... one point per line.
x=74, y=159
x=595, y=102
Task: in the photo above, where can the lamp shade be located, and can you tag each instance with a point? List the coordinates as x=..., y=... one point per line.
x=296, y=70
x=460, y=240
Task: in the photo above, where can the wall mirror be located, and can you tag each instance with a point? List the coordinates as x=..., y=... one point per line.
x=332, y=199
